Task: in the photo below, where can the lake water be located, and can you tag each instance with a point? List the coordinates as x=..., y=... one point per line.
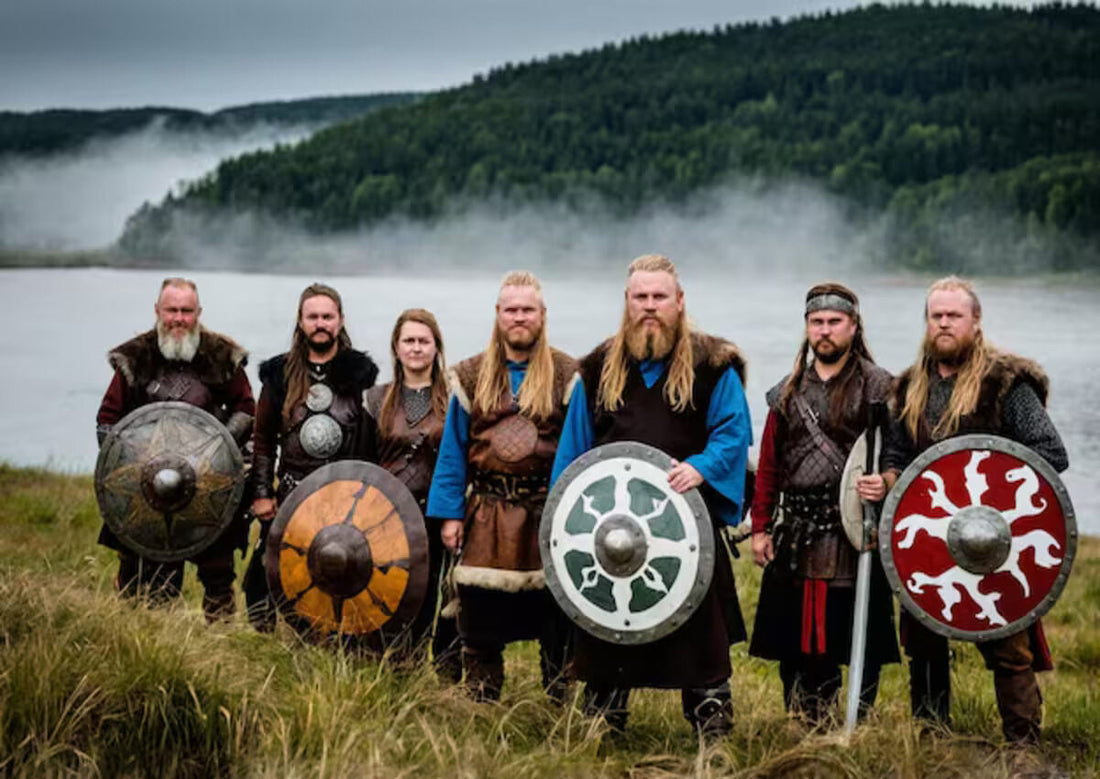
x=62, y=322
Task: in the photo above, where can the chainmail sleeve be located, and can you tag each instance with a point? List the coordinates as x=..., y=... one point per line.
x=1026, y=421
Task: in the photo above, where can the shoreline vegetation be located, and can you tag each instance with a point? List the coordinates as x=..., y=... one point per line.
x=94, y=686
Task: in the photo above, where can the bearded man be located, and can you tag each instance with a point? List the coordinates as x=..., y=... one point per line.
x=960, y=385
x=807, y=596
x=660, y=383
x=503, y=421
x=310, y=413
x=180, y=360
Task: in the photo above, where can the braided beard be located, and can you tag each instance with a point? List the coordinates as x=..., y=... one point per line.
x=181, y=348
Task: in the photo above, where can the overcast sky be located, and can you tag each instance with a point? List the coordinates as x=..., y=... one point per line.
x=209, y=54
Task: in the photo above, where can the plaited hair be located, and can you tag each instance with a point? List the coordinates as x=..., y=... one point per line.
x=439, y=376
x=858, y=349
x=681, y=371
x=296, y=372
x=968, y=381
x=494, y=387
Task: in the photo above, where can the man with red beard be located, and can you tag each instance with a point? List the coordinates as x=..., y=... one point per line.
x=807, y=596
x=661, y=383
x=960, y=385
x=310, y=413
x=489, y=487
x=179, y=360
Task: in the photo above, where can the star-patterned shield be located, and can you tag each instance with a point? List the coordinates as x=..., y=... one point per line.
x=626, y=557
x=347, y=553
x=978, y=537
x=169, y=479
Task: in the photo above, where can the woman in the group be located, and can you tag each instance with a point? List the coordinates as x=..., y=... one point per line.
x=409, y=412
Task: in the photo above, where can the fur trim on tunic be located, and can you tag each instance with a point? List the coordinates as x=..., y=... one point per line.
x=499, y=579
x=216, y=360
x=350, y=372
x=1006, y=371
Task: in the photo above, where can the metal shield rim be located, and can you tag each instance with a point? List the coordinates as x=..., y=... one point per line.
x=183, y=553
x=707, y=545
x=412, y=599
x=976, y=441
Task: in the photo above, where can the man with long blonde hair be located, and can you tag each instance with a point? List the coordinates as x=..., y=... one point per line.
x=659, y=382
x=310, y=413
x=490, y=483
x=959, y=385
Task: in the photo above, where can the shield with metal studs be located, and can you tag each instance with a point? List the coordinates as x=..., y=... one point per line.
x=348, y=553
x=626, y=557
x=169, y=480
x=978, y=537
x=851, y=505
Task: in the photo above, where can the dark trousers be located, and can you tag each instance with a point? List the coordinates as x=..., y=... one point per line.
x=708, y=709
x=162, y=582
x=1014, y=684
x=483, y=660
x=259, y=605
x=811, y=686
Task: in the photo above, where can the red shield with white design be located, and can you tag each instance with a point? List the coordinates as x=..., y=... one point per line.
x=978, y=537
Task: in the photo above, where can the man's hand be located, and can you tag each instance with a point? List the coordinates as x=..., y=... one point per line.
x=264, y=509
x=683, y=477
x=451, y=533
x=762, y=550
x=871, y=487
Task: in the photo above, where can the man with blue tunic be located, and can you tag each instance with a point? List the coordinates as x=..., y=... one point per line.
x=490, y=483
x=660, y=383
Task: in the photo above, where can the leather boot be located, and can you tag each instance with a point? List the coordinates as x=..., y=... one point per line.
x=484, y=672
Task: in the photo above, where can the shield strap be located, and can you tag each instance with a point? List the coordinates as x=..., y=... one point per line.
x=823, y=442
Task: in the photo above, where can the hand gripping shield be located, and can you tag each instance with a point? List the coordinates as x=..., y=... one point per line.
x=168, y=480
x=348, y=553
x=626, y=557
x=978, y=537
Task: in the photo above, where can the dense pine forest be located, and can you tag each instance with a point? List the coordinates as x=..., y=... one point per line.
x=927, y=114
x=57, y=130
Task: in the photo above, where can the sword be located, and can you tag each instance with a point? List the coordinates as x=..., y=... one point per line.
x=875, y=414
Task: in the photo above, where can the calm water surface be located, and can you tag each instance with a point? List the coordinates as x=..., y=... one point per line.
x=62, y=322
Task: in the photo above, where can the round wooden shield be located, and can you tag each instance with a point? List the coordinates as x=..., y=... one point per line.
x=169, y=479
x=347, y=553
x=626, y=557
x=978, y=537
x=851, y=505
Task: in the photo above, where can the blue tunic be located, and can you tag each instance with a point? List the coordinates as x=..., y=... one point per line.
x=722, y=461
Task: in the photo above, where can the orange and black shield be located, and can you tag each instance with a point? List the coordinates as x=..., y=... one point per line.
x=348, y=553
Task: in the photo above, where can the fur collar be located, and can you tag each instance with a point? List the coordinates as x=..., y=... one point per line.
x=708, y=350
x=349, y=372
x=217, y=359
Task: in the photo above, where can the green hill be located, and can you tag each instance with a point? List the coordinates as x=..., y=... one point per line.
x=55, y=130
x=921, y=112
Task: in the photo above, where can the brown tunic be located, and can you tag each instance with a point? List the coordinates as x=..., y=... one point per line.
x=407, y=451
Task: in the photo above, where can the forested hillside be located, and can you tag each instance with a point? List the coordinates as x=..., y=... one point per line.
x=914, y=111
x=46, y=132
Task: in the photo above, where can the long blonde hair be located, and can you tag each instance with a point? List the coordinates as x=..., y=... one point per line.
x=681, y=372
x=968, y=381
x=439, y=377
x=536, y=393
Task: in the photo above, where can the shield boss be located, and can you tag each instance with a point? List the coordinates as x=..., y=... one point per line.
x=168, y=480
x=626, y=557
x=348, y=553
x=978, y=537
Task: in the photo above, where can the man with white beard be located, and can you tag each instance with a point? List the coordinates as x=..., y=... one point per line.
x=180, y=360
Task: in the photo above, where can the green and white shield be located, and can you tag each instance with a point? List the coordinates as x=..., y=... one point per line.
x=626, y=557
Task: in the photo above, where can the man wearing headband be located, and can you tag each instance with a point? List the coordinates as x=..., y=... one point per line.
x=807, y=596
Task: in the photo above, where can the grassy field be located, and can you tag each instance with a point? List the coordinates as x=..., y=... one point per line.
x=92, y=686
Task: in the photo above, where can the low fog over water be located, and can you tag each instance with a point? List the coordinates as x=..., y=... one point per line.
x=81, y=199
x=63, y=322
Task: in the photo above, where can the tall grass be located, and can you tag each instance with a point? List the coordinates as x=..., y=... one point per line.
x=91, y=685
